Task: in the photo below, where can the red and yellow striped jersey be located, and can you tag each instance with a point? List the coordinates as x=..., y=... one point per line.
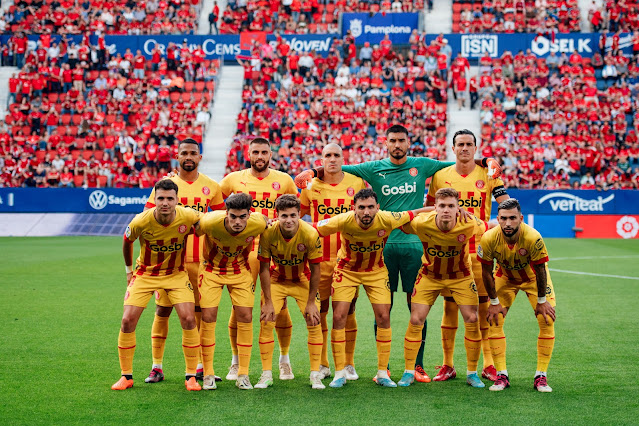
x=325, y=200
x=200, y=195
x=162, y=248
x=362, y=250
x=514, y=261
x=264, y=191
x=445, y=253
x=290, y=257
x=475, y=190
x=228, y=253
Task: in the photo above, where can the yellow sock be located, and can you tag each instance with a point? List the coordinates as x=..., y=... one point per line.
x=207, y=335
x=191, y=349
x=497, y=340
x=284, y=329
x=412, y=342
x=244, y=345
x=233, y=332
x=324, y=324
x=198, y=320
x=351, y=338
x=483, y=328
x=472, y=342
x=338, y=345
x=545, y=343
x=159, y=331
x=126, y=349
x=450, y=322
x=314, y=345
x=267, y=343
x=384, y=337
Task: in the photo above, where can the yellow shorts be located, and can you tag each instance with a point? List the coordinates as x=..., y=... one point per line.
x=192, y=268
x=507, y=291
x=426, y=290
x=479, y=281
x=346, y=285
x=177, y=287
x=241, y=288
x=280, y=290
x=326, y=278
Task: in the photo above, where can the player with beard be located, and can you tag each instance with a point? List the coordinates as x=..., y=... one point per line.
x=201, y=193
x=264, y=185
x=400, y=181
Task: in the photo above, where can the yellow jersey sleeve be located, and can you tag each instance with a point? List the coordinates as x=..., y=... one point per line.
x=485, y=252
x=331, y=225
x=537, y=248
x=151, y=201
x=314, y=244
x=135, y=228
x=227, y=184
x=264, y=250
x=305, y=200
x=289, y=186
x=392, y=220
x=217, y=202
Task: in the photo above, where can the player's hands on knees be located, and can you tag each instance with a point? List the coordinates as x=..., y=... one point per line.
x=494, y=168
x=311, y=314
x=493, y=314
x=129, y=275
x=546, y=311
x=268, y=312
x=464, y=214
x=303, y=180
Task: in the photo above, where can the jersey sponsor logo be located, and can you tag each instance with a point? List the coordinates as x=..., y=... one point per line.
x=276, y=186
x=350, y=191
x=471, y=202
x=197, y=207
x=381, y=233
x=206, y=190
x=406, y=188
x=182, y=229
x=322, y=209
x=322, y=222
x=441, y=253
x=413, y=171
x=301, y=247
x=262, y=204
x=127, y=232
x=480, y=184
x=369, y=249
x=523, y=252
x=249, y=239
x=230, y=253
x=461, y=238
x=515, y=267
x=166, y=249
x=287, y=262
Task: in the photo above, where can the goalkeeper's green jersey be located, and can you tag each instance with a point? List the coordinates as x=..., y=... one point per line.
x=398, y=187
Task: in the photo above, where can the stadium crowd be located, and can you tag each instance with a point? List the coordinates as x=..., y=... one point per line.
x=79, y=118
x=614, y=16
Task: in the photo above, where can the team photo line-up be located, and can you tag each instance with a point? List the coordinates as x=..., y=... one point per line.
x=370, y=226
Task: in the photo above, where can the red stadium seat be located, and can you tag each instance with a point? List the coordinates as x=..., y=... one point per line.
x=78, y=180
x=188, y=86
x=99, y=154
x=102, y=181
x=86, y=154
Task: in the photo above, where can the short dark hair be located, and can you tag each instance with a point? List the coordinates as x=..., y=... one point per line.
x=190, y=141
x=464, y=132
x=397, y=128
x=167, y=185
x=287, y=201
x=364, y=194
x=508, y=204
x=447, y=192
x=240, y=201
x=260, y=141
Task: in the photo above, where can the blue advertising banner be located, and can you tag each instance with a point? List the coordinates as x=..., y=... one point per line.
x=73, y=200
x=227, y=46
x=365, y=27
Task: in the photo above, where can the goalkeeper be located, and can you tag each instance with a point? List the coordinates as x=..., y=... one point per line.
x=400, y=182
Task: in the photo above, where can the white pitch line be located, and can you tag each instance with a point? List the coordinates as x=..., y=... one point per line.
x=592, y=274
x=594, y=257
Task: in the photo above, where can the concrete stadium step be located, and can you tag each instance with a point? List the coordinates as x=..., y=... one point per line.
x=5, y=74
x=440, y=19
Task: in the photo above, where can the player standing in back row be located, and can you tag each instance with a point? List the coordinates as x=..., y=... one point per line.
x=264, y=185
x=400, y=181
x=475, y=190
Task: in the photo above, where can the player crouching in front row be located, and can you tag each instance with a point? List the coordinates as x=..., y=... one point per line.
x=296, y=252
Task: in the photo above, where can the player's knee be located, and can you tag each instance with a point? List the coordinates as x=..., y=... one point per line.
x=471, y=317
x=339, y=320
x=209, y=315
x=129, y=323
x=383, y=319
x=244, y=315
x=188, y=321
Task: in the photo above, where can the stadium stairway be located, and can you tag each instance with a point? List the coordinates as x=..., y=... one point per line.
x=465, y=118
x=221, y=129
x=5, y=73
x=207, y=7
x=584, y=7
x=440, y=20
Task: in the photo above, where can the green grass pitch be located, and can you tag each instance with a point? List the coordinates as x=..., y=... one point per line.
x=61, y=304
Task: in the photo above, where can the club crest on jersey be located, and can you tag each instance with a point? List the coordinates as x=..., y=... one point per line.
x=461, y=238
x=350, y=191
x=480, y=184
x=182, y=229
x=206, y=190
x=249, y=239
x=413, y=171
x=381, y=233
x=301, y=247
x=276, y=186
x=523, y=251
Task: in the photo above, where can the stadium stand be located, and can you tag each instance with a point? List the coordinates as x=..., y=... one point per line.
x=511, y=16
x=74, y=122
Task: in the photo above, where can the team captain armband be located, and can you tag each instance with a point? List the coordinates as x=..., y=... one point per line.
x=499, y=191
